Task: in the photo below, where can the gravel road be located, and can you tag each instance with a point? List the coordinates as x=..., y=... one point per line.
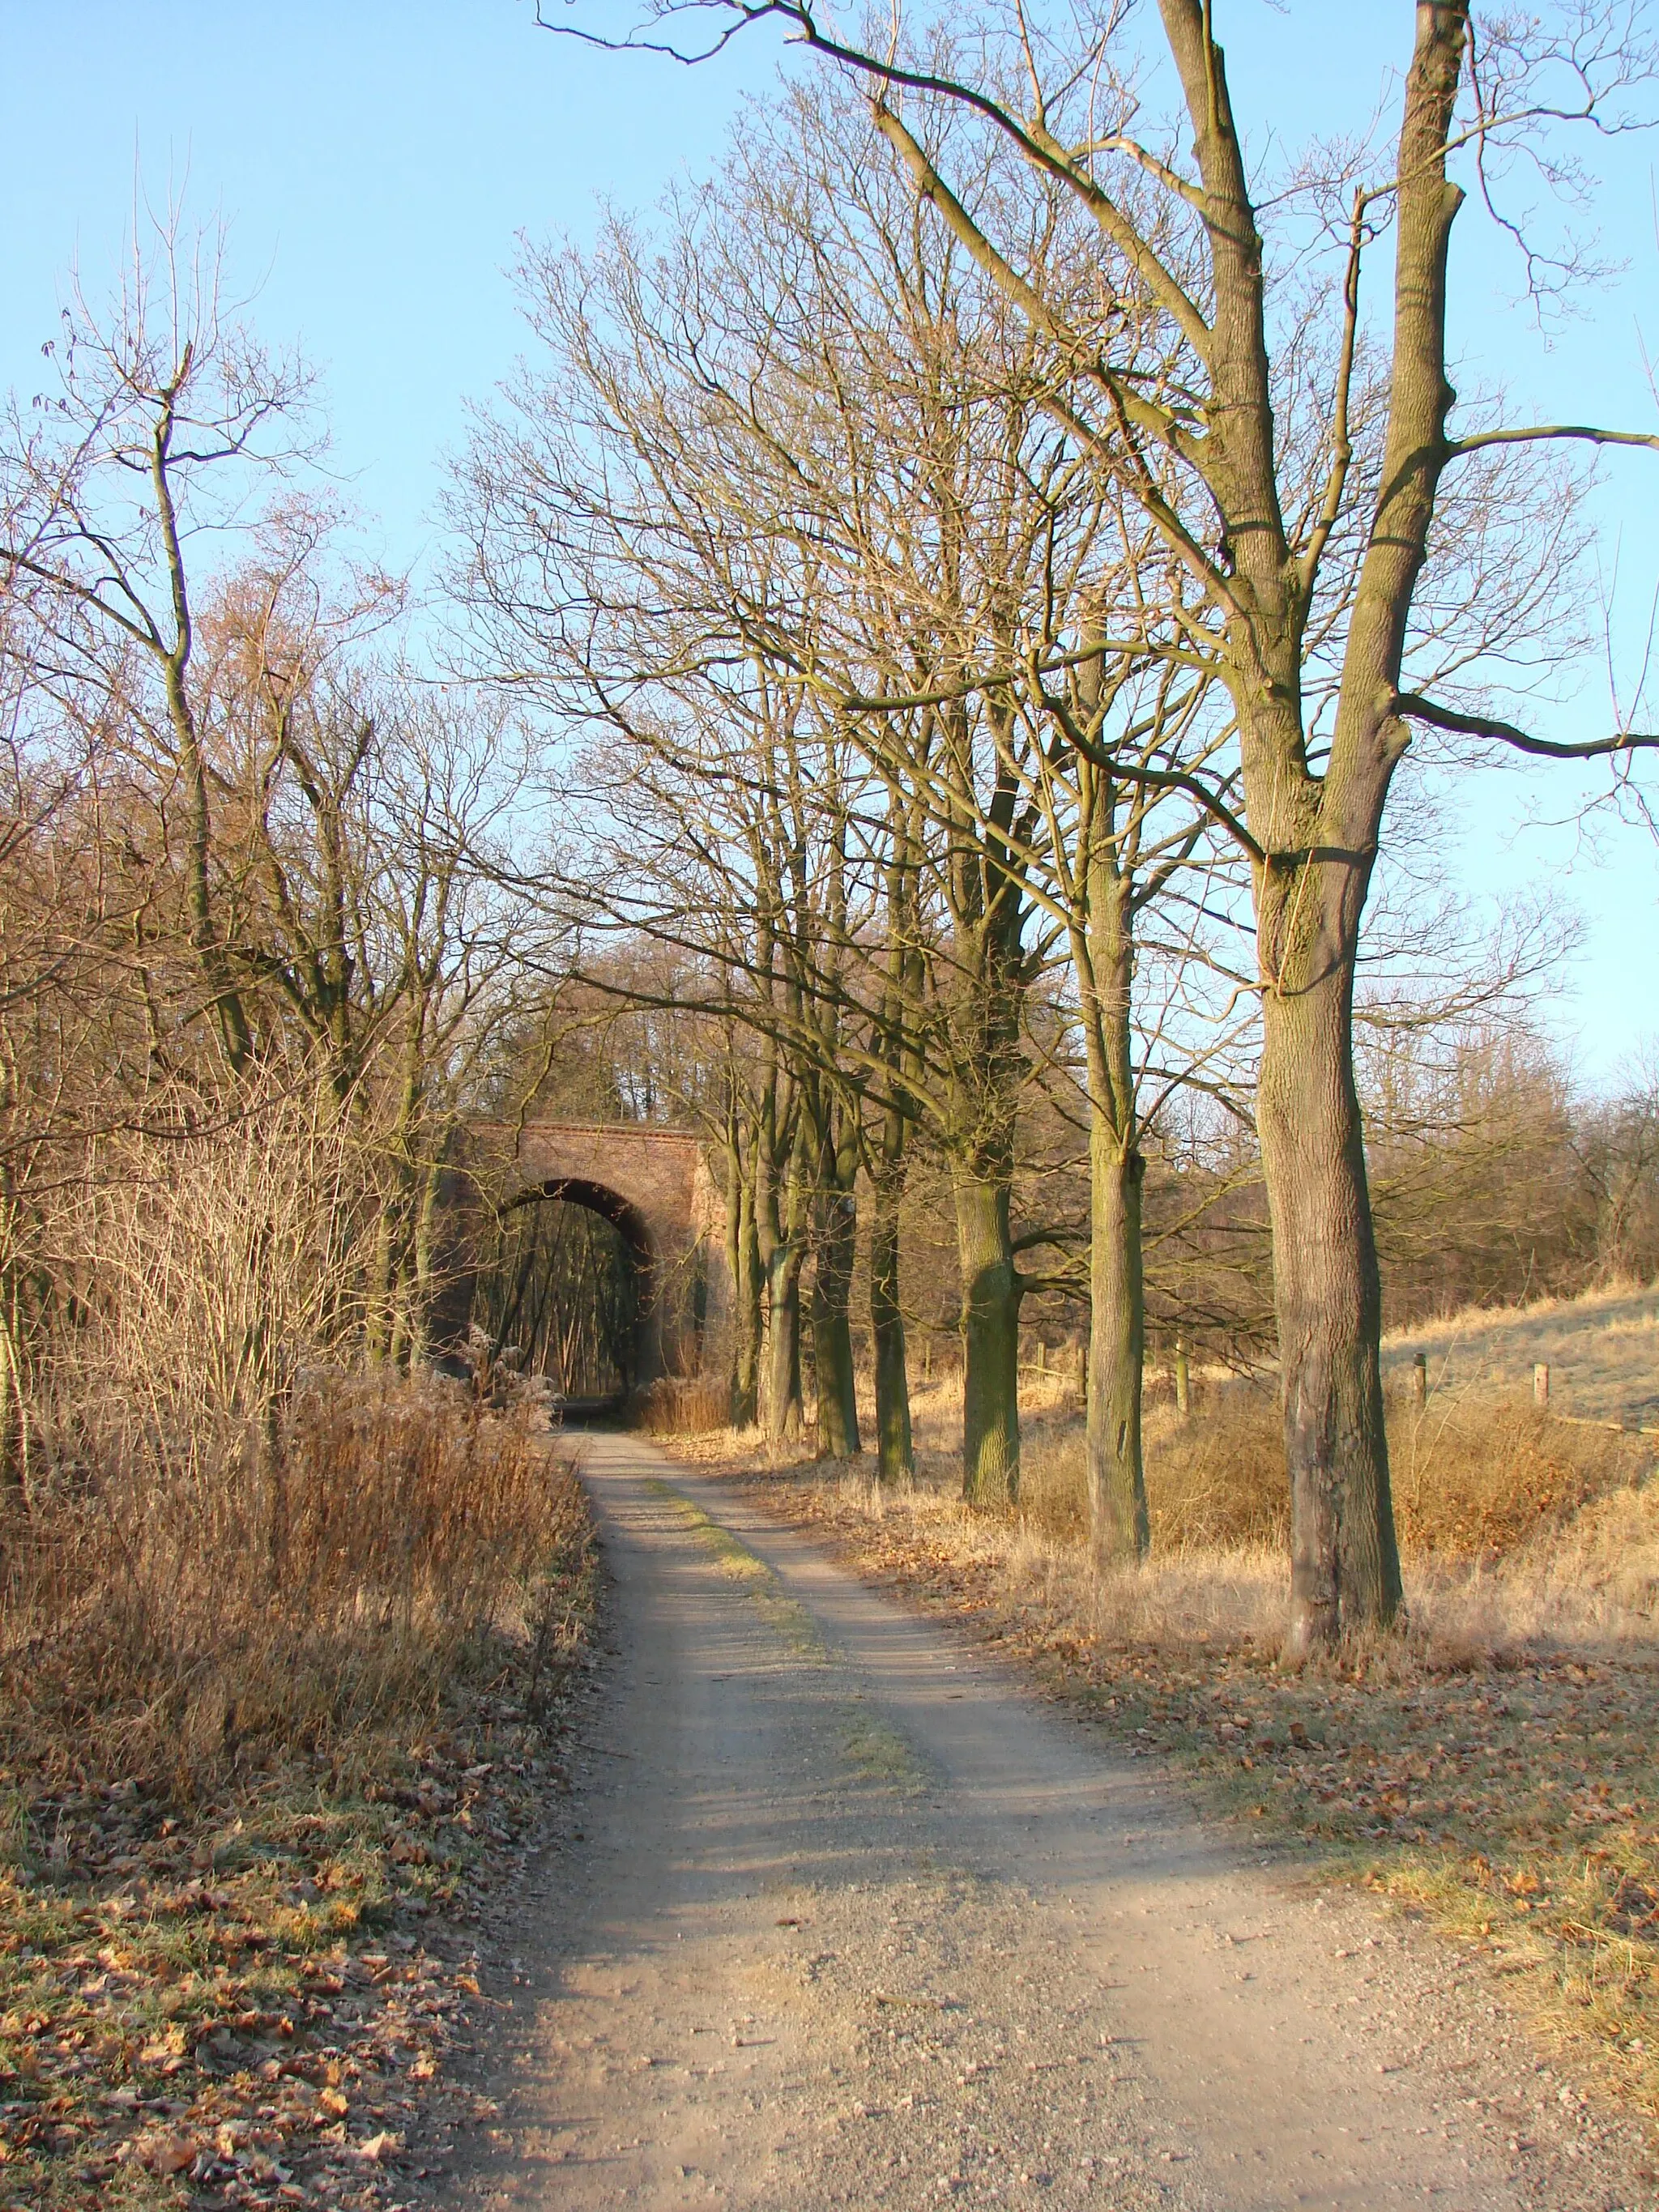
x=842, y=1914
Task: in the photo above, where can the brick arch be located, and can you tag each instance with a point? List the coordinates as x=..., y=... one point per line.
x=654, y=1184
x=598, y=1197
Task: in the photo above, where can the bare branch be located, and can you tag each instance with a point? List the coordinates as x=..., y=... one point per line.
x=1510, y=733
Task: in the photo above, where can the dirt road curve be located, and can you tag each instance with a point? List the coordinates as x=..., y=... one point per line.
x=850, y=1919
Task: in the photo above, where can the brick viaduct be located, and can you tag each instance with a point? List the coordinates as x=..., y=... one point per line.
x=654, y=1184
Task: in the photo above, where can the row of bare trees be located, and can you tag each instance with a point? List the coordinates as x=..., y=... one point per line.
x=998, y=566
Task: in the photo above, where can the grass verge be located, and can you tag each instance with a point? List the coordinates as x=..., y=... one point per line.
x=232, y=1961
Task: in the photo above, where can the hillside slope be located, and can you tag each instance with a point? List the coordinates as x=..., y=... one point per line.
x=1602, y=1351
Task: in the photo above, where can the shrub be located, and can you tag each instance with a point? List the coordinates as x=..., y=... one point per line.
x=166, y=1621
x=683, y=1406
x=1474, y=1476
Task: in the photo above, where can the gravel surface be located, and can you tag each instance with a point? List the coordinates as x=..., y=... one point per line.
x=839, y=1911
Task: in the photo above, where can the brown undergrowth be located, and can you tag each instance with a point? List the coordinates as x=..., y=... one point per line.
x=264, y=1737
x=1493, y=1767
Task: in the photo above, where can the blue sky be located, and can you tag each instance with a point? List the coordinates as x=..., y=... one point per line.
x=375, y=163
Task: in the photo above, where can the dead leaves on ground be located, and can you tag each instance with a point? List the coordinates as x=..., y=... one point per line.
x=251, y=2004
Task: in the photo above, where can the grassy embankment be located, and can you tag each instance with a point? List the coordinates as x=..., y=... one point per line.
x=261, y=1746
x=1493, y=1767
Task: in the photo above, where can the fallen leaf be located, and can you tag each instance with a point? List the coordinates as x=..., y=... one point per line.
x=168, y=2154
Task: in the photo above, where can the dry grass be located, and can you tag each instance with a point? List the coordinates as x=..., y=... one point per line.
x=258, y=1717
x=676, y=1406
x=1478, y=1478
x=165, y=1624
x=1601, y=1350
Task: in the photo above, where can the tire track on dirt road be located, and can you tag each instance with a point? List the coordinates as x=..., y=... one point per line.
x=854, y=1917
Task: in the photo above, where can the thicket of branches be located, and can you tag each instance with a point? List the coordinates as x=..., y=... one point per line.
x=251, y=968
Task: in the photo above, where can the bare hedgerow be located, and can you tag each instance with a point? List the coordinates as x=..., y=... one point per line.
x=194, y=1271
x=221, y=1543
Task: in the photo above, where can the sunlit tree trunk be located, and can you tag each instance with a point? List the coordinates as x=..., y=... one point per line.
x=990, y=1335
x=832, y=1336
x=1117, y=1320
x=783, y=1416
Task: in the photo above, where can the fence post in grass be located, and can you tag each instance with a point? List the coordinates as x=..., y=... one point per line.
x=1183, y=1380
x=1420, y=1380
x=1540, y=1384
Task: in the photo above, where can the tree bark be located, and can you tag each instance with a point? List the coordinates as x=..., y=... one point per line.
x=1104, y=952
x=990, y=1339
x=832, y=1336
x=1117, y=1341
x=781, y=1416
x=426, y=1257
x=746, y=1282
x=14, y=1412
x=1345, y=1561
x=378, y=1291
x=895, y=1454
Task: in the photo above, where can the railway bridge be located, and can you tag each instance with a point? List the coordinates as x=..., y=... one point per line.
x=653, y=1183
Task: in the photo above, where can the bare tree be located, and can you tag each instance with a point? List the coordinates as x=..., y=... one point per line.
x=166, y=412
x=1618, y=1152
x=1184, y=240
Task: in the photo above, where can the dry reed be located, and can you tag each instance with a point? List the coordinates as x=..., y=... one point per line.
x=677, y=1406
x=164, y=1625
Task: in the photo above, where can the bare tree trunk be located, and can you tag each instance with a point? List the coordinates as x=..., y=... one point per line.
x=426, y=1245
x=746, y=1282
x=990, y=1339
x=906, y=982
x=14, y=1413
x=895, y=1453
x=832, y=1336
x=1117, y=1313
x=273, y=1466
x=403, y=1290
x=1316, y=835
x=378, y=1291
x=1345, y=1562
x=733, y=1226
x=225, y=1000
x=1117, y=1338
x=781, y=1414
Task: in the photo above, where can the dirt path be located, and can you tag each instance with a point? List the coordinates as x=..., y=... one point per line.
x=851, y=1919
